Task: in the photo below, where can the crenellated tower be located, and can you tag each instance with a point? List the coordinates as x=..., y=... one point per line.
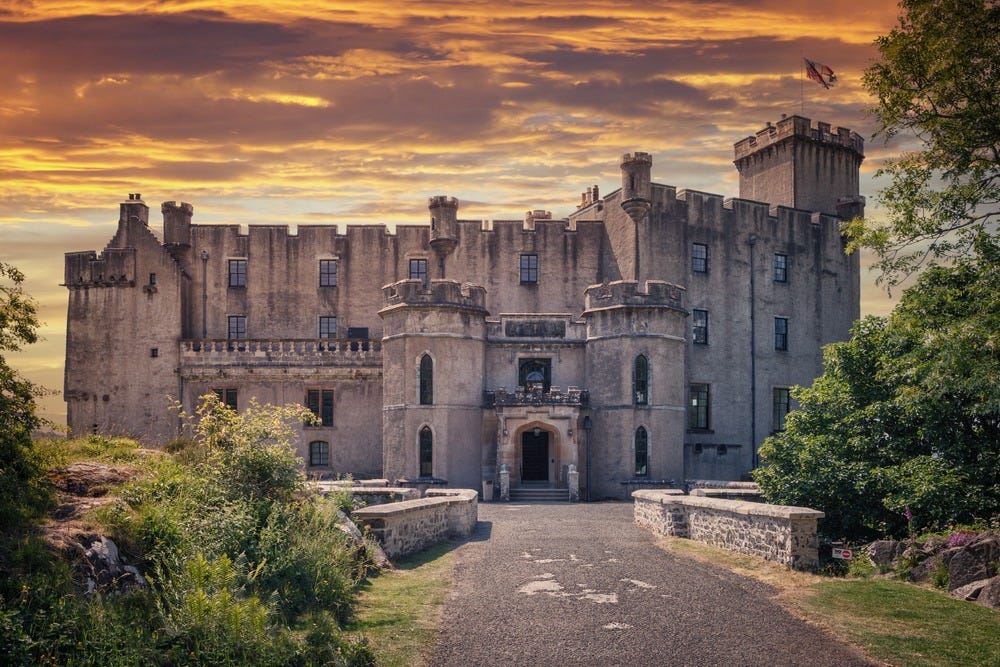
x=444, y=228
x=636, y=188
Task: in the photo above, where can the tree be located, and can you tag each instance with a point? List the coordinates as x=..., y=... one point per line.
x=937, y=79
x=902, y=430
x=21, y=490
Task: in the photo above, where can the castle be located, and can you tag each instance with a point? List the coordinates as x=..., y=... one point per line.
x=648, y=338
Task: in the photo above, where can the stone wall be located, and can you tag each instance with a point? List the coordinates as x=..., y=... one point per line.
x=413, y=525
x=775, y=532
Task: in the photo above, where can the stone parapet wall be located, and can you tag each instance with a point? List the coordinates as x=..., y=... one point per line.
x=413, y=525
x=776, y=532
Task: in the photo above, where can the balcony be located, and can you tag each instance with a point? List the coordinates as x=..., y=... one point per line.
x=285, y=352
x=536, y=396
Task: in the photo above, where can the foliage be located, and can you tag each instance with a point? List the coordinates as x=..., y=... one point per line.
x=22, y=493
x=937, y=79
x=901, y=433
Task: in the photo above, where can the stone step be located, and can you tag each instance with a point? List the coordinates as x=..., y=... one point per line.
x=534, y=495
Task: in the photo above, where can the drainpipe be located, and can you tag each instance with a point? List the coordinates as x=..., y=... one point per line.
x=586, y=428
x=204, y=294
x=753, y=356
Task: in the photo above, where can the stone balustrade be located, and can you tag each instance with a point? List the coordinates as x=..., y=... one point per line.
x=246, y=351
x=776, y=532
x=526, y=396
x=413, y=525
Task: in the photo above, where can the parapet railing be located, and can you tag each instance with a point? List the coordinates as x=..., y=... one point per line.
x=298, y=350
x=531, y=396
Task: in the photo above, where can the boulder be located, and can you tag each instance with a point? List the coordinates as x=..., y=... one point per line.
x=883, y=552
x=990, y=594
x=973, y=562
x=105, y=571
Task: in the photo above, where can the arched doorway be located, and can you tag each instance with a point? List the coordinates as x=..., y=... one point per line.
x=535, y=456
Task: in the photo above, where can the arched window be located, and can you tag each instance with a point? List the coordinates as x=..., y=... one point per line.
x=641, y=452
x=640, y=380
x=426, y=380
x=426, y=452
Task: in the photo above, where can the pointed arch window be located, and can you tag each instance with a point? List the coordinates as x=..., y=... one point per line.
x=640, y=380
x=641, y=452
x=426, y=380
x=426, y=439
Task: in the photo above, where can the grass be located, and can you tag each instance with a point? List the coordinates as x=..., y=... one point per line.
x=399, y=611
x=891, y=621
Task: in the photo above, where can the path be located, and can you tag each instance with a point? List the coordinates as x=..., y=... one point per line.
x=560, y=584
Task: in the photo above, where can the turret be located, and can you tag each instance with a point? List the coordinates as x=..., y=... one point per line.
x=636, y=184
x=444, y=227
x=177, y=223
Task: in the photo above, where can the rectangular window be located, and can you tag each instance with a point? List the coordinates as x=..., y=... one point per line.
x=227, y=397
x=418, y=270
x=237, y=326
x=529, y=269
x=152, y=278
x=780, y=400
x=327, y=273
x=698, y=407
x=781, y=333
x=699, y=257
x=237, y=273
x=328, y=326
x=699, y=322
x=780, y=268
x=320, y=402
x=319, y=453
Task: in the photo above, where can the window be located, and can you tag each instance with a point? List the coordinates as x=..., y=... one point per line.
x=418, y=270
x=529, y=269
x=237, y=273
x=227, y=397
x=640, y=380
x=641, y=452
x=319, y=453
x=328, y=326
x=699, y=323
x=237, y=326
x=535, y=374
x=426, y=380
x=698, y=407
x=780, y=268
x=781, y=333
x=699, y=257
x=320, y=402
x=152, y=278
x=327, y=273
x=426, y=452
x=154, y=351
x=781, y=407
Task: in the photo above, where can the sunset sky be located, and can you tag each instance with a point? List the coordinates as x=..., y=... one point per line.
x=306, y=111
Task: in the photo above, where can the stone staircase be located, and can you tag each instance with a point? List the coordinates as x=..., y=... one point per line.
x=538, y=494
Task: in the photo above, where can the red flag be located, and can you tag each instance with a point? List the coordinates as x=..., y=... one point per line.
x=820, y=73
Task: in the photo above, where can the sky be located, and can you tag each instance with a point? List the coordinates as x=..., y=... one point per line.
x=307, y=111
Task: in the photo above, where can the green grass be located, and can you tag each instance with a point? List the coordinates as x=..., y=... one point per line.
x=892, y=621
x=399, y=611
x=908, y=625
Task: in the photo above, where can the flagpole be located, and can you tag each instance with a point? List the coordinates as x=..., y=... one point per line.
x=802, y=85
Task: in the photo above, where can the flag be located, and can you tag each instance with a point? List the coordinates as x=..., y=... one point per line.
x=820, y=73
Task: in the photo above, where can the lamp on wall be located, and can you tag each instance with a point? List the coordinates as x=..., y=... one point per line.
x=536, y=431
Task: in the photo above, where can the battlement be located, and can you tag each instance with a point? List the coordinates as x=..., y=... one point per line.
x=438, y=293
x=797, y=126
x=626, y=293
x=441, y=201
x=173, y=206
x=115, y=267
x=637, y=158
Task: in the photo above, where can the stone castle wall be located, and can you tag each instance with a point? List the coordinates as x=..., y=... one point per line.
x=776, y=532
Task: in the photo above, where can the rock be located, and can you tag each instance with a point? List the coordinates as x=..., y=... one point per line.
x=973, y=561
x=989, y=596
x=883, y=552
x=969, y=591
x=104, y=570
x=350, y=529
x=90, y=479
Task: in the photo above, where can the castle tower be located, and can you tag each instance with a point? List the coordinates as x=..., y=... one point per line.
x=433, y=361
x=635, y=372
x=177, y=223
x=636, y=188
x=794, y=164
x=444, y=228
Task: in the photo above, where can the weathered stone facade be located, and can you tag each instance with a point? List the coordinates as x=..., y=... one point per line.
x=775, y=532
x=648, y=338
x=410, y=526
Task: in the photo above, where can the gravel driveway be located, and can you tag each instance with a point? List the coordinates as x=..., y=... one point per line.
x=561, y=584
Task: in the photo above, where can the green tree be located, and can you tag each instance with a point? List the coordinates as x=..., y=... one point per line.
x=21, y=490
x=905, y=419
x=936, y=79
